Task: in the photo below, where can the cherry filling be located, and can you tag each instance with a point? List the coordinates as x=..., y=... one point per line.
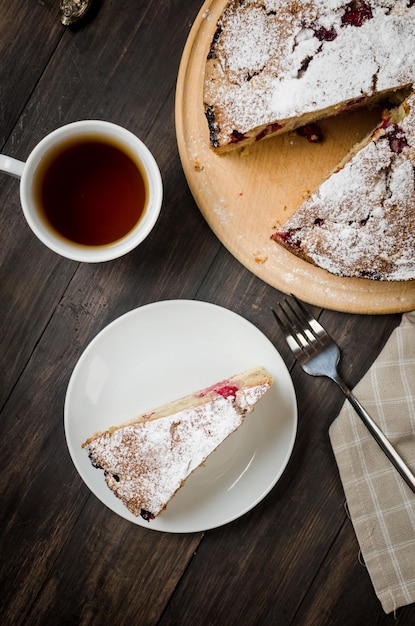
x=397, y=139
x=146, y=515
x=386, y=122
x=289, y=239
x=312, y=132
x=226, y=390
x=269, y=130
x=324, y=34
x=357, y=13
x=236, y=136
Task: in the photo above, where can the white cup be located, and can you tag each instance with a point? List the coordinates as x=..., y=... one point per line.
x=104, y=132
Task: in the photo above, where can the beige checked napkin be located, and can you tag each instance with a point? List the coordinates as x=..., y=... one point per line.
x=381, y=505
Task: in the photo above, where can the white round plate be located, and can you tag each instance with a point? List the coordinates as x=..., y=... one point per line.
x=161, y=352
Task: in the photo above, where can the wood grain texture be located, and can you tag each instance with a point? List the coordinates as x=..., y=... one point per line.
x=247, y=195
x=66, y=558
x=28, y=38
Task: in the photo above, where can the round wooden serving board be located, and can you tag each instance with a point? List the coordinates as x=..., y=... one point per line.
x=244, y=196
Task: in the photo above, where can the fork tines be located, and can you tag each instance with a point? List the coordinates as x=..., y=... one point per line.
x=298, y=324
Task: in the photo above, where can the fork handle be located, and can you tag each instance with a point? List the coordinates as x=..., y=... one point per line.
x=379, y=437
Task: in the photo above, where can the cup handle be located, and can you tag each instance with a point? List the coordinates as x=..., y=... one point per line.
x=11, y=166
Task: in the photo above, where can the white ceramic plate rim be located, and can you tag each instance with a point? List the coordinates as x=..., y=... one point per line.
x=165, y=350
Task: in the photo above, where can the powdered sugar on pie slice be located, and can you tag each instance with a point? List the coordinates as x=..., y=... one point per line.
x=360, y=222
x=275, y=65
x=145, y=461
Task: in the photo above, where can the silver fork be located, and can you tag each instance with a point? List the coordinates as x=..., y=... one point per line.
x=319, y=355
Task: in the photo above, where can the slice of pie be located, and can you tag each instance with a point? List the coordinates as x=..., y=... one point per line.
x=277, y=65
x=360, y=222
x=146, y=460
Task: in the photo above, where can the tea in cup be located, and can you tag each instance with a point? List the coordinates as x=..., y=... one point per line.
x=91, y=190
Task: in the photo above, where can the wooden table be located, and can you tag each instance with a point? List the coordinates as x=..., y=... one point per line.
x=66, y=558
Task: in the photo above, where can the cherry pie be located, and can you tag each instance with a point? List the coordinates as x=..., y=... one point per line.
x=146, y=460
x=360, y=222
x=274, y=66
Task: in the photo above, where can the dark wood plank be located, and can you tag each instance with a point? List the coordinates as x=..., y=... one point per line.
x=112, y=572
x=342, y=594
x=30, y=32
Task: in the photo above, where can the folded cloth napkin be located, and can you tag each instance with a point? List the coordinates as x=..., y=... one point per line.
x=380, y=503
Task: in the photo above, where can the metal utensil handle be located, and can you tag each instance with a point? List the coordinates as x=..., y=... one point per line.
x=379, y=437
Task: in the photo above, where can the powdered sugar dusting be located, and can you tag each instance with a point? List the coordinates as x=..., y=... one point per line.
x=259, y=40
x=278, y=60
x=151, y=459
x=361, y=220
x=146, y=462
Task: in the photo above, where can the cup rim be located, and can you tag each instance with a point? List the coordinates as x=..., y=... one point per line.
x=107, y=252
